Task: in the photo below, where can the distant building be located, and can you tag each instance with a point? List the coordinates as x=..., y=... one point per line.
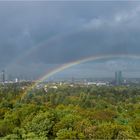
x=118, y=77
x=54, y=87
x=97, y=83
x=16, y=80
x=3, y=76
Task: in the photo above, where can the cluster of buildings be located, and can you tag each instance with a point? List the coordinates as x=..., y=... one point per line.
x=117, y=80
x=3, y=78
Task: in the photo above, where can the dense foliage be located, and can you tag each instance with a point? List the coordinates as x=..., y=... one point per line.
x=78, y=112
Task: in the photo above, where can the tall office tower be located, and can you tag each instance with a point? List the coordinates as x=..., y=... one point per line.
x=118, y=77
x=3, y=76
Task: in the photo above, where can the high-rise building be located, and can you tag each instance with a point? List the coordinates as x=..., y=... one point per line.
x=3, y=76
x=118, y=77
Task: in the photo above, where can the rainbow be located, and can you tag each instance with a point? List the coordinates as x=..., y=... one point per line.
x=80, y=61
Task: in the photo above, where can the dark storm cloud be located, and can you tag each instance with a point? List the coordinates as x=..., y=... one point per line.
x=37, y=34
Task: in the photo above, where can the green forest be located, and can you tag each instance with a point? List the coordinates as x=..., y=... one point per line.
x=78, y=112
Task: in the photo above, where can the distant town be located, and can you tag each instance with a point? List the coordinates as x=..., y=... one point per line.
x=117, y=80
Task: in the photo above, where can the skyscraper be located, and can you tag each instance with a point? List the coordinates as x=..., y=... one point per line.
x=3, y=76
x=118, y=77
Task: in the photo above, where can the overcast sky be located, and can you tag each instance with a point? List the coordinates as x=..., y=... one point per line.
x=36, y=36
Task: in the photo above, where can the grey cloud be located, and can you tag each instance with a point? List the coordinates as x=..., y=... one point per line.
x=37, y=34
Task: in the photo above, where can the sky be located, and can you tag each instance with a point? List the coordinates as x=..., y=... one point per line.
x=36, y=36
